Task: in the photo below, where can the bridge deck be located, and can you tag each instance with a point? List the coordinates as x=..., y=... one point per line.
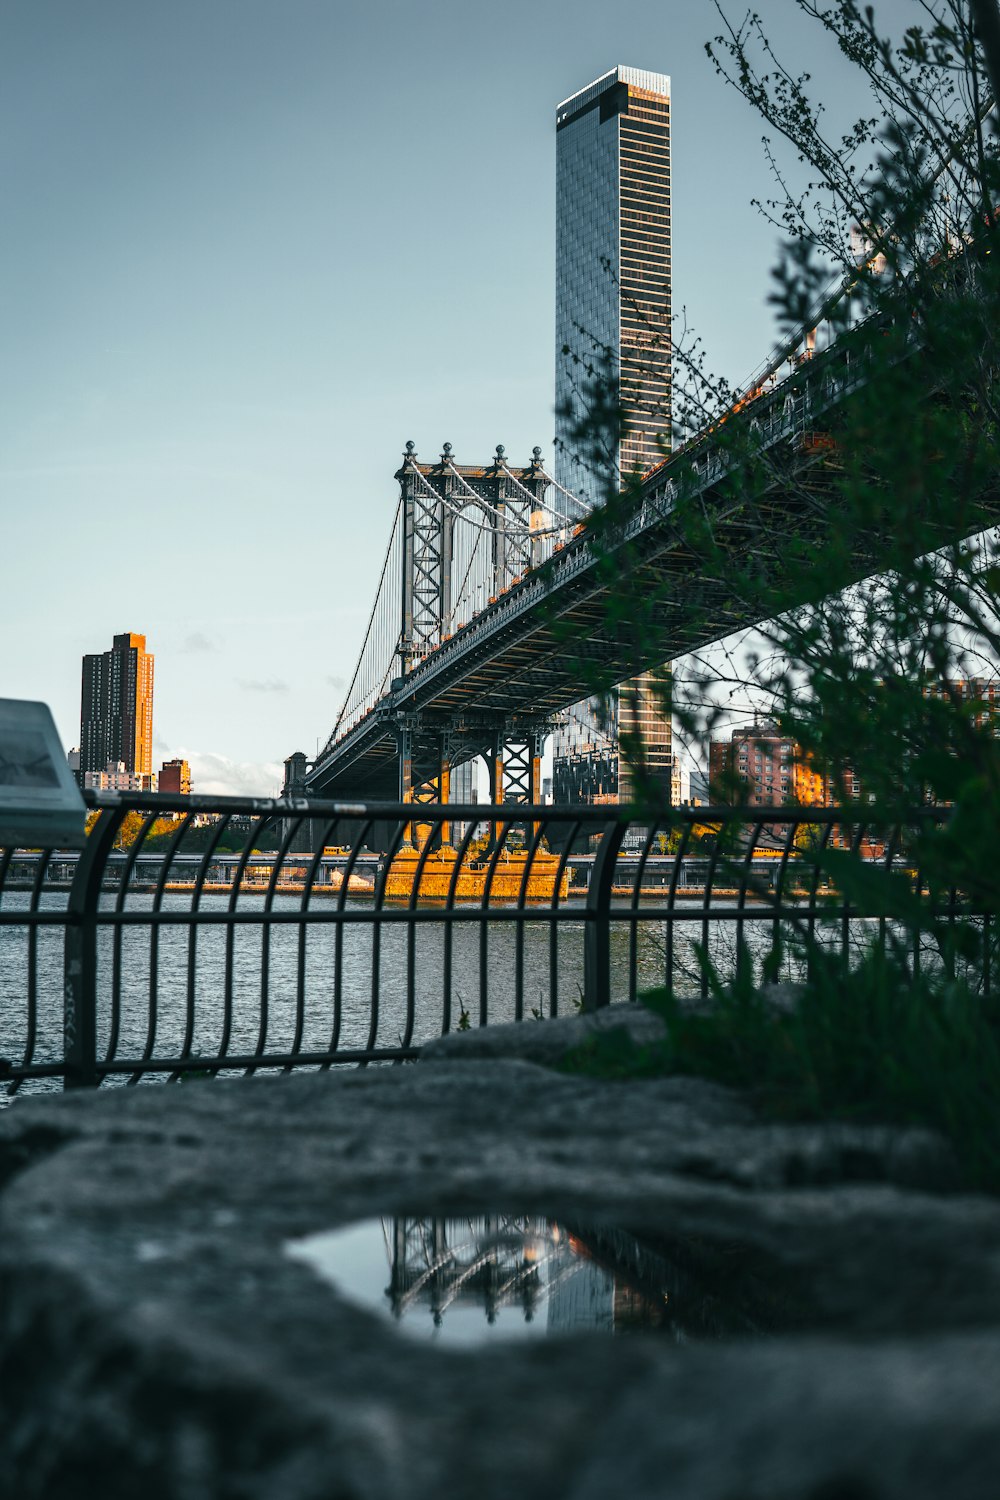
x=561, y=632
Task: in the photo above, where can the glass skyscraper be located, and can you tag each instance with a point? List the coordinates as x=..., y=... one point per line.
x=613, y=316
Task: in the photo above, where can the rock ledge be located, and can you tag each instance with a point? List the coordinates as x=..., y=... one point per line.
x=157, y=1339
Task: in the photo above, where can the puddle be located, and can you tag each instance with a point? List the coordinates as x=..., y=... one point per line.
x=463, y=1281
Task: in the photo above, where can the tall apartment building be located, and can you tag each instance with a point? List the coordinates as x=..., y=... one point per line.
x=116, y=712
x=768, y=767
x=613, y=266
x=613, y=302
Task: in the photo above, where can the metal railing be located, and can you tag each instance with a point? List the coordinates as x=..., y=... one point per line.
x=199, y=936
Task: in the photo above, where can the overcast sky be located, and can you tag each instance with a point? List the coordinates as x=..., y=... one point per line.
x=249, y=248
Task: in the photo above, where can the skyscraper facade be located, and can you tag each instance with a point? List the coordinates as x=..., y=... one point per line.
x=116, y=711
x=613, y=269
x=613, y=316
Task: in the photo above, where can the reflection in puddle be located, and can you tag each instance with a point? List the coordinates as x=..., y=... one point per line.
x=462, y=1280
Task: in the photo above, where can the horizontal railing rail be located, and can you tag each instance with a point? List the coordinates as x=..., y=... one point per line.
x=197, y=936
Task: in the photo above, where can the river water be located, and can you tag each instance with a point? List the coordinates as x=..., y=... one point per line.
x=159, y=970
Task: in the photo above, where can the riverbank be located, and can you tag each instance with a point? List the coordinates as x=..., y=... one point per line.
x=832, y=1325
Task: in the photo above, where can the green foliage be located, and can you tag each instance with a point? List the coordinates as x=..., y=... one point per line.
x=197, y=840
x=867, y=554
x=867, y=1041
x=162, y=832
x=872, y=677
x=867, y=557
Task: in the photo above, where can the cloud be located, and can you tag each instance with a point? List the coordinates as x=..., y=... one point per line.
x=197, y=641
x=336, y=682
x=214, y=775
x=263, y=685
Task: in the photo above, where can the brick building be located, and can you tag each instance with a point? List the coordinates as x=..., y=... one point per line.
x=175, y=776
x=768, y=767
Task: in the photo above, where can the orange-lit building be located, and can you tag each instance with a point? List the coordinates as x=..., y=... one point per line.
x=116, y=710
x=983, y=692
x=768, y=766
x=772, y=768
x=980, y=694
x=175, y=776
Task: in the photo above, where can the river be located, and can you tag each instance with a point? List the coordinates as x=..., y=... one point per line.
x=172, y=962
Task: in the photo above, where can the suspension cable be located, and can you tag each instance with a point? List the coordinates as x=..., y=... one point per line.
x=584, y=510
x=492, y=510
x=472, y=558
x=371, y=620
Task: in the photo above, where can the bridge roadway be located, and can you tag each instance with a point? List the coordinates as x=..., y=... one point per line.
x=541, y=646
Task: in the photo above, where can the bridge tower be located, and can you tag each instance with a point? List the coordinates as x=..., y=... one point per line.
x=509, y=508
x=434, y=496
x=464, y=537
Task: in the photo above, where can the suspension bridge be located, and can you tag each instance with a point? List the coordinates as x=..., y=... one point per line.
x=498, y=604
x=491, y=616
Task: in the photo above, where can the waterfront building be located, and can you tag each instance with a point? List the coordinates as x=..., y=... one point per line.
x=771, y=768
x=980, y=698
x=116, y=777
x=644, y=721
x=464, y=782
x=587, y=775
x=758, y=766
x=613, y=314
x=116, y=710
x=981, y=695
x=175, y=776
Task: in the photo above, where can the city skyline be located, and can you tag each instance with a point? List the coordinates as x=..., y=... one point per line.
x=218, y=337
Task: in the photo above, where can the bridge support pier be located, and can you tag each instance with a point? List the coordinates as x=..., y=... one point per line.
x=429, y=748
x=494, y=764
x=515, y=764
x=424, y=772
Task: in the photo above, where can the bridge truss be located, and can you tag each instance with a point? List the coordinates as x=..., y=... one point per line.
x=480, y=658
x=462, y=537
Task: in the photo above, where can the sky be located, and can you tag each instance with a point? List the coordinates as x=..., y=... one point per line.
x=250, y=248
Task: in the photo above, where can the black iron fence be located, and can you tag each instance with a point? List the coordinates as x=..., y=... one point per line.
x=199, y=936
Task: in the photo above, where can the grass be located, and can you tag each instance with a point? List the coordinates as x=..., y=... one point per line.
x=865, y=1042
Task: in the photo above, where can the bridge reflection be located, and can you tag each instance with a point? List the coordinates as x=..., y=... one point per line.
x=464, y=1279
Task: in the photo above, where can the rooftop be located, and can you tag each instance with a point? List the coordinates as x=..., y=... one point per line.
x=640, y=78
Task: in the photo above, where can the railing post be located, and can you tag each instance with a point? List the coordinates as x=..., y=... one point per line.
x=597, y=929
x=80, y=956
